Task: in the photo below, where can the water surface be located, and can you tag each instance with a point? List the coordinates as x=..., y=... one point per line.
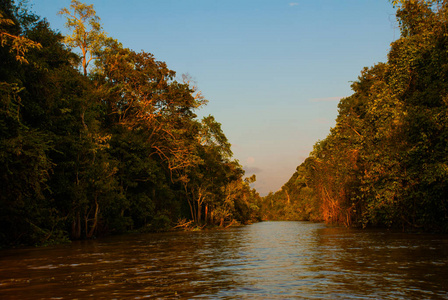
x=268, y=260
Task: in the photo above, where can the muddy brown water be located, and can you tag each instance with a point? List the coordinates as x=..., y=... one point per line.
x=268, y=260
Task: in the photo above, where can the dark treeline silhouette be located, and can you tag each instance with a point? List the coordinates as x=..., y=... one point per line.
x=106, y=141
x=385, y=163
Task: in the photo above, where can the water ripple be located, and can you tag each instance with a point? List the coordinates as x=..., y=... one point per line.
x=269, y=260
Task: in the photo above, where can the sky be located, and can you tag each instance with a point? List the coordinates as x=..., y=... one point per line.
x=273, y=71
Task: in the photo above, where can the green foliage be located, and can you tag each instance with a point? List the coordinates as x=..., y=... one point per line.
x=18, y=45
x=295, y=201
x=119, y=150
x=385, y=163
x=87, y=35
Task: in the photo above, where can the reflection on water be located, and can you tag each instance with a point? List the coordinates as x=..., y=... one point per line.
x=269, y=260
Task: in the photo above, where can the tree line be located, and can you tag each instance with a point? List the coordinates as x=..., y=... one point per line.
x=97, y=139
x=385, y=163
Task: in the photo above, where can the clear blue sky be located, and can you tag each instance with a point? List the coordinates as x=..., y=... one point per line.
x=273, y=70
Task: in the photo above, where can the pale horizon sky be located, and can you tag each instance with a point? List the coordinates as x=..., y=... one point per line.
x=272, y=70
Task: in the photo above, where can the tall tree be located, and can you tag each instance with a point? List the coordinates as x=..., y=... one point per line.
x=87, y=32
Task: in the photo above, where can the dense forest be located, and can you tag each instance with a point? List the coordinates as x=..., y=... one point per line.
x=385, y=163
x=99, y=139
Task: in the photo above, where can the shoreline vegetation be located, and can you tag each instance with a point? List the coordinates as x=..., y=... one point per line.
x=97, y=139
x=385, y=163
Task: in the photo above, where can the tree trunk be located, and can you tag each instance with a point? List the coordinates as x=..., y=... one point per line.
x=191, y=210
x=76, y=227
x=95, y=219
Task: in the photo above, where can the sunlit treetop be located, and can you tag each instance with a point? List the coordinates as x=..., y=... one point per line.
x=399, y=3
x=18, y=44
x=87, y=32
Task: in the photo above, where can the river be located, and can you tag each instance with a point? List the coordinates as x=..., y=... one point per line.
x=268, y=260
